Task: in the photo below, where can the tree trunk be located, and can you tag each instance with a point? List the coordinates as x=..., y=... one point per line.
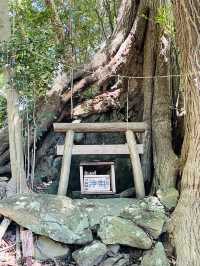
x=165, y=160
x=4, y=21
x=127, y=52
x=16, y=143
x=158, y=105
x=149, y=66
x=17, y=183
x=186, y=218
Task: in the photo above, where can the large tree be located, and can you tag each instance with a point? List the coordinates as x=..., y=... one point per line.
x=138, y=46
x=186, y=218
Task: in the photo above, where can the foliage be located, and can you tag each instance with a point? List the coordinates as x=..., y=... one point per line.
x=165, y=19
x=33, y=52
x=90, y=92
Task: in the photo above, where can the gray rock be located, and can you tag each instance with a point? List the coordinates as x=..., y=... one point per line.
x=113, y=250
x=47, y=167
x=3, y=189
x=90, y=255
x=168, y=197
x=57, y=165
x=70, y=222
x=155, y=257
x=148, y=213
x=130, y=192
x=4, y=179
x=110, y=261
x=122, y=262
x=45, y=248
x=96, y=209
x=116, y=230
x=54, y=216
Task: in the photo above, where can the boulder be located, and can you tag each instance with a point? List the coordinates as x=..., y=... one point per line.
x=54, y=216
x=90, y=255
x=155, y=257
x=168, y=197
x=116, y=230
x=96, y=209
x=45, y=248
x=72, y=221
x=148, y=213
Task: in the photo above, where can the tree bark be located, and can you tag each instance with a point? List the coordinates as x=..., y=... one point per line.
x=17, y=184
x=157, y=105
x=100, y=104
x=165, y=161
x=15, y=142
x=149, y=66
x=186, y=218
x=4, y=21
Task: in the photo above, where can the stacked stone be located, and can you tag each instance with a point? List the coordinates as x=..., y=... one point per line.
x=104, y=232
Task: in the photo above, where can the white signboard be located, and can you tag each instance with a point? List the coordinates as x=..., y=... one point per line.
x=98, y=184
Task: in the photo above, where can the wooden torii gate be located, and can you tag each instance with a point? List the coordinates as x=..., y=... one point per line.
x=131, y=147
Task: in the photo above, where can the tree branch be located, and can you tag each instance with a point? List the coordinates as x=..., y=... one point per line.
x=100, y=104
x=56, y=22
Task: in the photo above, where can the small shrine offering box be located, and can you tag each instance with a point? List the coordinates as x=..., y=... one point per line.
x=97, y=177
